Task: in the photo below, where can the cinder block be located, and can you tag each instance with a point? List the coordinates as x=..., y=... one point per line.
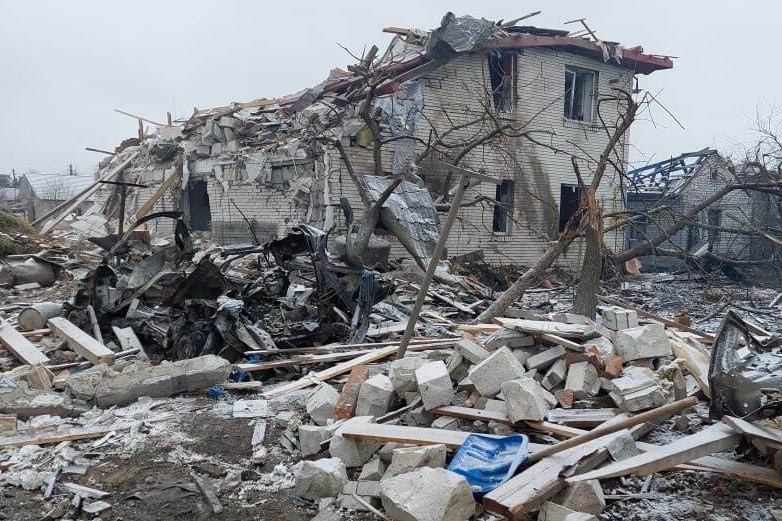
x=435, y=385
x=501, y=366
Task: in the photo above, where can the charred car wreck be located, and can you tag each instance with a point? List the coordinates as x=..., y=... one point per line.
x=183, y=302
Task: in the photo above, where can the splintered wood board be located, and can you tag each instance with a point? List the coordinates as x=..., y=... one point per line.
x=751, y=430
x=81, y=342
x=57, y=437
x=540, y=327
x=581, y=417
x=21, y=348
x=409, y=435
x=715, y=438
x=468, y=413
x=696, y=362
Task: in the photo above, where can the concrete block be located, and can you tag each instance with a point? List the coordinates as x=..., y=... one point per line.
x=634, y=379
x=352, y=453
x=311, y=436
x=583, y=496
x=321, y=403
x=407, y=459
x=402, y=374
x=546, y=358
x=522, y=354
x=551, y=400
x=509, y=338
x=368, y=488
x=648, y=398
x=372, y=470
x=227, y=121
x=622, y=446
x=427, y=495
x=321, y=478
x=555, y=375
x=570, y=318
x=446, y=422
x=618, y=319
x=457, y=366
x=582, y=379
x=375, y=396
x=501, y=366
x=434, y=384
x=496, y=405
x=648, y=341
x=552, y=512
x=471, y=351
x=524, y=399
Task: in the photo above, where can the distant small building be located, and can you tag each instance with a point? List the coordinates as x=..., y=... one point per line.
x=39, y=193
x=732, y=228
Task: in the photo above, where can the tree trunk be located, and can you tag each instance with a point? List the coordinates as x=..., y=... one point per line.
x=585, y=302
x=516, y=291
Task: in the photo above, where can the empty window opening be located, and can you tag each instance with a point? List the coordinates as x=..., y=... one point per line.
x=502, y=72
x=503, y=207
x=692, y=237
x=199, y=212
x=636, y=232
x=569, y=201
x=715, y=219
x=580, y=94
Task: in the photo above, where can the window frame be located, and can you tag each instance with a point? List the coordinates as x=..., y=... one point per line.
x=513, y=103
x=502, y=213
x=570, y=94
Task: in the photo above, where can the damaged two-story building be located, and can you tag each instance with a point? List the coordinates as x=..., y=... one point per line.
x=515, y=103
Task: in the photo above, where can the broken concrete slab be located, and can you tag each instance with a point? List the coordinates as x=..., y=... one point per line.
x=649, y=341
x=372, y=470
x=435, y=385
x=544, y=359
x=107, y=387
x=311, y=436
x=524, y=399
x=321, y=403
x=583, y=380
x=550, y=511
x=445, y=422
x=19, y=401
x=555, y=375
x=471, y=351
x=509, y=338
x=352, y=453
x=583, y=496
x=501, y=366
x=321, y=478
x=427, y=494
x=407, y=459
x=375, y=396
x=402, y=374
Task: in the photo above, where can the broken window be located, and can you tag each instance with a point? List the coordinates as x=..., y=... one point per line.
x=199, y=213
x=580, y=94
x=569, y=201
x=502, y=210
x=715, y=219
x=502, y=72
x=692, y=237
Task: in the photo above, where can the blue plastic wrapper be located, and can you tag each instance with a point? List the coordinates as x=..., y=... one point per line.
x=217, y=392
x=489, y=461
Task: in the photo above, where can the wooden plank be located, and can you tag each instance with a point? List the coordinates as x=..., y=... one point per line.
x=299, y=360
x=36, y=332
x=19, y=346
x=333, y=348
x=442, y=298
x=83, y=491
x=81, y=342
x=409, y=435
x=540, y=327
x=695, y=361
x=252, y=385
x=167, y=185
x=564, y=342
x=751, y=430
x=753, y=473
x=68, y=206
x=540, y=482
x=715, y=438
x=468, y=413
x=344, y=367
x=57, y=437
x=479, y=328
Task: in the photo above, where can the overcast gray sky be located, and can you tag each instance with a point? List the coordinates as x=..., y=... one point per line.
x=64, y=65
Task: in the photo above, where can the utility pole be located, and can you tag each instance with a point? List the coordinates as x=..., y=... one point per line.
x=70, y=169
